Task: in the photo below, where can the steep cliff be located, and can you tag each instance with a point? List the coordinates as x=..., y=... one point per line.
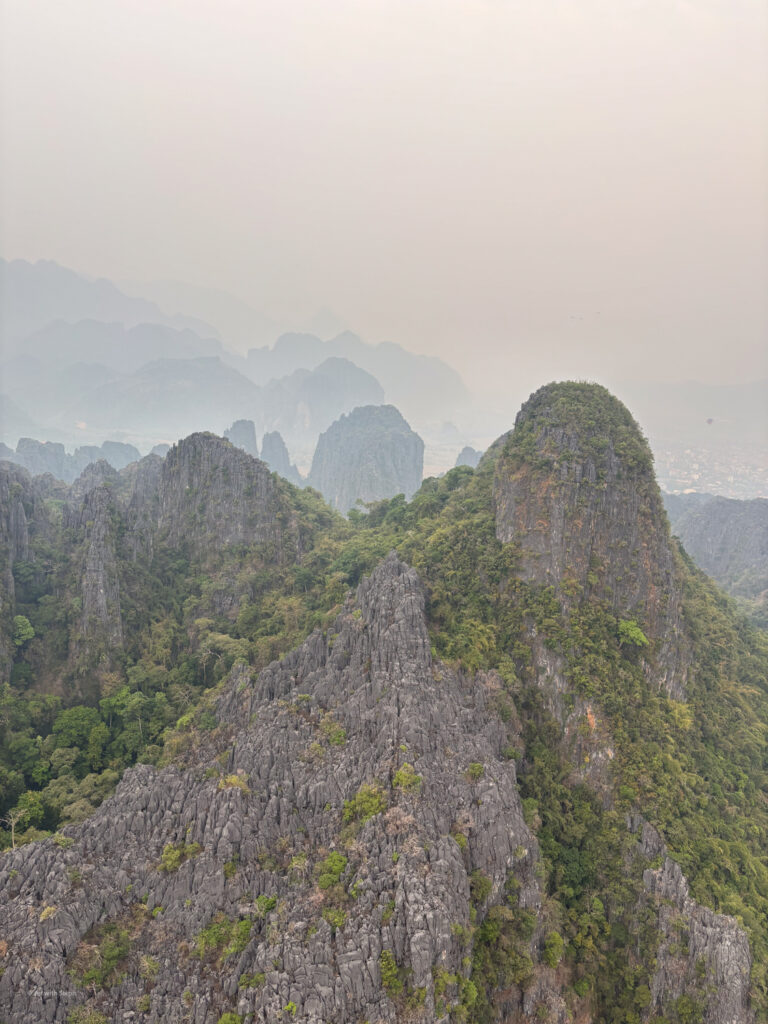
x=275, y=454
x=95, y=519
x=575, y=489
x=370, y=454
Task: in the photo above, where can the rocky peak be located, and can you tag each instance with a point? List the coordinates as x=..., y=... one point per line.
x=95, y=517
x=574, y=487
x=367, y=455
x=275, y=454
x=94, y=475
x=242, y=434
x=213, y=495
x=469, y=456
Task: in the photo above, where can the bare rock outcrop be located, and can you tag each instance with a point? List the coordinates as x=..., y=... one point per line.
x=332, y=842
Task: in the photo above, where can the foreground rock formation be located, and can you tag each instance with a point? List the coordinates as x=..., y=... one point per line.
x=358, y=733
x=468, y=795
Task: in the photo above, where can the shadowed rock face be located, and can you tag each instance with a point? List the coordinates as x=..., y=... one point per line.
x=95, y=519
x=370, y=454
x=574, y=487
x=347, y=709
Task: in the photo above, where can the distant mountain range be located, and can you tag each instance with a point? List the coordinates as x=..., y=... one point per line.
x=81, y=359
x=33, y=295
x=420, y=386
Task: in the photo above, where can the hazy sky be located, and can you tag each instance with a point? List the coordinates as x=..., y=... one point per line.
x=530, y=188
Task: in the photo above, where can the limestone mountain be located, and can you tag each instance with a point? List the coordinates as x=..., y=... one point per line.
x=275, y=454
x=370, y=454
x=242, y=434
x=305, y=402
x=40, y=457
x=422, y=386
x=37, y=294
x=441, y=762
x=468, y=456
x=566, y=478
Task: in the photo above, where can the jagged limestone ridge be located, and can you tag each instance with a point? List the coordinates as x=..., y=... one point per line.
x=347, y=710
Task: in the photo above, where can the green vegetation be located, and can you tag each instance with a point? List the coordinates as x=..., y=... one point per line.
x=265, y=904
x=101, y=958
x=329, y=871
x=406, y=779
x=335, y=917
x=367, y=802
x=233, y=782
x=390, y=975
x=82, y=1015
x=553, y=950
x=223, y=938
x=630, y=633
x=252, y=980
x=174, y=855
x=23, y=630
x=480, y=886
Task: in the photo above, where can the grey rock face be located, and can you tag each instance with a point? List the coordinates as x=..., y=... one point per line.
x=94, y=475
x=41, y=457
x=469, y=456
x=275, y=454
x=347, y=709
x=370, y=454
x=210, y=490
x=701, y=953
x=582, y=503
x=47, y=457
x=242, y=434
x=95, y=518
